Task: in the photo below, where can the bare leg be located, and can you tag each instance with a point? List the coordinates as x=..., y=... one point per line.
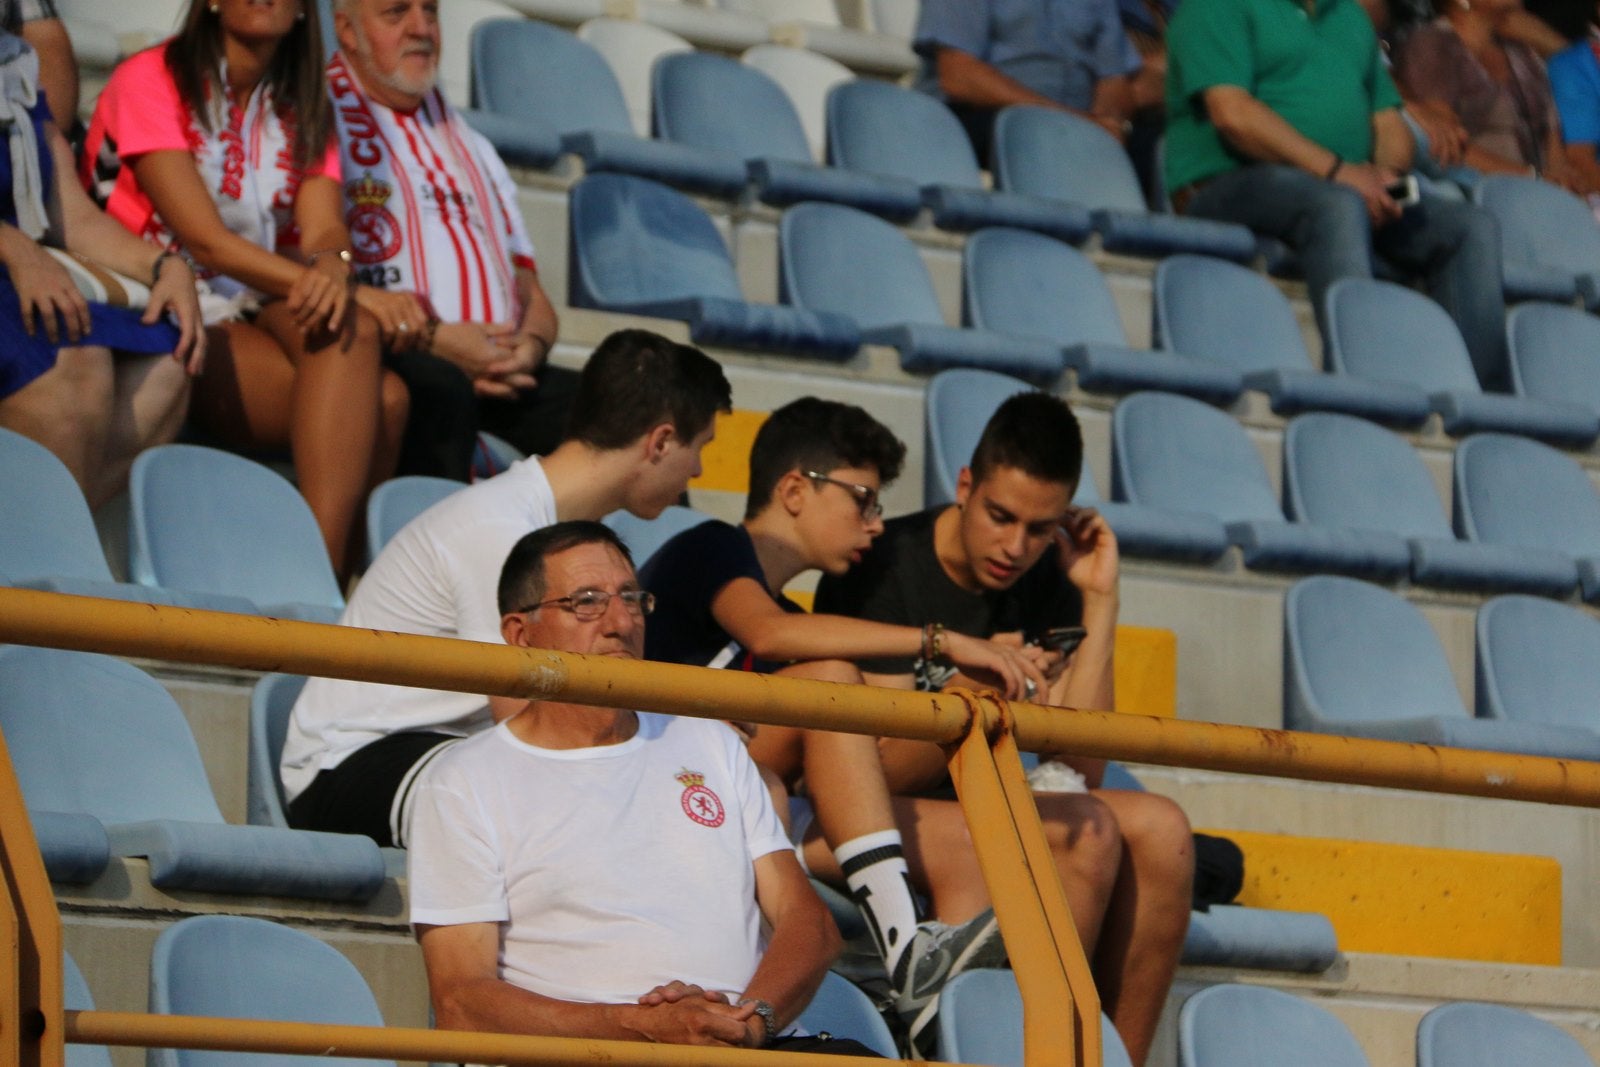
x=67, y=409
x=151, y=400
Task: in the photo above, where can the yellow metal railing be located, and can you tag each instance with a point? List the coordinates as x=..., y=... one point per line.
x=981, y=732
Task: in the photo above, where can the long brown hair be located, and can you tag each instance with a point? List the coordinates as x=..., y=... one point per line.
x=295, y=76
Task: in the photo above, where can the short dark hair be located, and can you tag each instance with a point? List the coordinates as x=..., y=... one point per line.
x=1570, y=18
x=1035, y=433
x=637, y=380
x=820, y=435
x=522, y=579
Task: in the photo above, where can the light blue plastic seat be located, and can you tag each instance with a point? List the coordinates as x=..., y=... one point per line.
x=1549, y=243
x=398, y=501
x=1493, y=1035
x=271, y=704
x=1522, y=494
x=876, y=127
x=95, y=736
x=1226, y=314
x=980, y=1021
x=229, y=966
x=1034, y=286
x=1381, y=331
x=493, y=455
x=74, y=846
x=214, y=523
x=642, y=248
x=1048, y=153
x=843, y=261
x=1345, y=473
x=959, y=405
x=644, y=536
x=1555, y=354
x=841, y=1009
x=1252, y=1026
x=740, y=117
x=1538, y=661
x=1360, y=661
x=76, y=997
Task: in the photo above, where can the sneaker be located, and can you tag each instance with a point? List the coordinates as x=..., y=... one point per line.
x=937, y=954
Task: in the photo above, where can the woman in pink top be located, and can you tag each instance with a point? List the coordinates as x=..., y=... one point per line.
x=218, y=144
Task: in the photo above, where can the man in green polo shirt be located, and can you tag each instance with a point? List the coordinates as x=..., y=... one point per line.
x=1282, y=117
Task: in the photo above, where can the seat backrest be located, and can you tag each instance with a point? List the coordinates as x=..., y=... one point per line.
x=980, y=1021
x=1252, y=1026
x=230, y=966
x=635, y=241
x=1036, y=286
x=455, y=44
x=46, y=530
x=959, y=405
x=271, y=704
x=1044, y=152
x=541, y=74
x=816, y=12
x=1341, y=471
x=1555, y=353
x=1354, y=652
x=840, y=1009
x=723, y=107
x=97, y=736
x=76, y=997
x=1513, y=491
x=213, y=522
x=834, y=258
x=644, y=536
x=897, y=18
x=806, y=78
x=1541, y=223
x=1174, y=452
x=398, y=501
x=1538, y=661
x=1380, y=330
x=1489, y=1035
x=631, y=48
x=1226, y=313
x=880, y=128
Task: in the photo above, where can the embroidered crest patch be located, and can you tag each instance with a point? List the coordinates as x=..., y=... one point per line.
x=700, y=803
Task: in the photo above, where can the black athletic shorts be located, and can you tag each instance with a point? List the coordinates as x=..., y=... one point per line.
x=369, y=792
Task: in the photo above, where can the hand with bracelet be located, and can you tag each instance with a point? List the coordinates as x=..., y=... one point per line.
x=1007, y=668
x=321, y=294
x=172, y=293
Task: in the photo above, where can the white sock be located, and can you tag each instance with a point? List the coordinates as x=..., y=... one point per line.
x=875, y=869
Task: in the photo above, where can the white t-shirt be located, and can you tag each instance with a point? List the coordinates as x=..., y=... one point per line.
x=613, y=869
x=437, y=577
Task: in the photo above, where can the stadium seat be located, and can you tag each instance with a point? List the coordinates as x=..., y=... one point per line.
x=1176, y=454
x=1555, y=354
x=398, y=501
x=95, y=736
x=980, y=1021
x=644, y=536
x=878, y=128
x=642, y=248
x=76, y=997
x=233, y=967
x=815, y=25
x=1346, y=473
x=805, y=77
x=704, y=25
x=839, y=260
x=1252, y=1026
x=1049, y=153
x=271, y=703
x=1229, y=315
x=630, y=49
x=493, y=455
x=214, y=523
x=455, y=45
x=1538, y=661
x=959, y=405
x=1380, y=331
x=1525, y=495
x=1033, y=286
x=74, y=846
x=1361, y=661
x=1549, y=242
x=897, y=18
x=1493, y=1035
x=739, y=118
x=841, y=1009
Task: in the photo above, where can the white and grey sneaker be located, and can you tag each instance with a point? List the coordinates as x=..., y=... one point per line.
x=937, y=953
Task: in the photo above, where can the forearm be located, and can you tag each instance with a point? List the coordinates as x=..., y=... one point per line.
x=1113, y=98
x=966, y=79
x=496, y=1006
x=1392, y=146
x=58, y=68
x=802, y=948
x=538, y=314
x=785, y=637
x=1256, y=131
x=1487, y=162
x=1090, y=682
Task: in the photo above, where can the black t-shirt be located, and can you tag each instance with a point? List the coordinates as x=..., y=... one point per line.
x=900, y=581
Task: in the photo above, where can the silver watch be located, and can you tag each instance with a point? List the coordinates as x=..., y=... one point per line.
x=769, y=1019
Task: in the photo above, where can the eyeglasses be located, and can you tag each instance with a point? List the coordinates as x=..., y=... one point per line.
x=866, y=496
x=590, y=604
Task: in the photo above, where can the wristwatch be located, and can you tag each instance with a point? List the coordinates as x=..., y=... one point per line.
x=769, y=1020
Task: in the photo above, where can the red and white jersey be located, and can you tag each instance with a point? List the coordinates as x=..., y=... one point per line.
x=431, y=208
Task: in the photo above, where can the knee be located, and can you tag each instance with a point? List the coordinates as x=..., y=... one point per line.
x=366, y=338
x=396, y=400
x=1086, y=828
x=1335, y=208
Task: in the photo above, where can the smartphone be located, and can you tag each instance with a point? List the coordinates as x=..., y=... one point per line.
x=1062, y=639
x=1403, y=190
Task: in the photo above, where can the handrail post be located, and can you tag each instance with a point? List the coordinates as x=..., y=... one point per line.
x=35, y=1014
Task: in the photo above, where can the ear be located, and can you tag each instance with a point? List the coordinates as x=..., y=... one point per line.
x=963, y=486
x=657, y=440
x=791, y=492
x=514, y=629
x=343, y=29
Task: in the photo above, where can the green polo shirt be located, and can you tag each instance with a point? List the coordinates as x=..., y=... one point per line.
x=1321, y=71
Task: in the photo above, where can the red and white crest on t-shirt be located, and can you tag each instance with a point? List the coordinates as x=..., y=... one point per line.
x=700, y=803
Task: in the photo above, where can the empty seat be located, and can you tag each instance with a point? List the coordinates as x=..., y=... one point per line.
x=840, y=1009
x=739, y=118
x=642, y=248
x=1519, y=493
x=398, y=501
x=1361, y=661
x=839, y=260
x=1492, y=1035
x=1555, y=354
x=74, y=846
x=1034, y=286
x=1549, y=242
x=1538, y=661
x=704, y=26
x=1251, y=1026
x=815, y=25
x=1230, y=935
x=76, y=997
x=959, y=405
x=878, y=128
x=271, y=703
x=455, y=45
x=644, y=536
x=1346, y=473
x=631, y=49
x=897, y=18
x=232, y=967
x=1381, y=331
x=980, y=1021
x=1050, y=153
x=214, y=523
x=805, y=79
x=95, y=736
x=1227, y=314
